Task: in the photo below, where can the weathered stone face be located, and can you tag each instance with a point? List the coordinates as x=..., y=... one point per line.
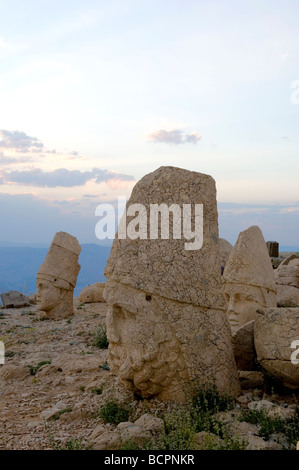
x=275, y=332
x=57, y=277
x=248, y=278
x=287, y=280
x=166, y=323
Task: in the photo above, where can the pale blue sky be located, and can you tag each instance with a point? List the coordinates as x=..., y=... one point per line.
x=88, y=84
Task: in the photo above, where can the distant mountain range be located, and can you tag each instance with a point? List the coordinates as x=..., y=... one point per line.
x=19, y=265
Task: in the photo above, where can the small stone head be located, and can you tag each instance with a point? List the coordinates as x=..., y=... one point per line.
x=57, y=277
x=248, y=278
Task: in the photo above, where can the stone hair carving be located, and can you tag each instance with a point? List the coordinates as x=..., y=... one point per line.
x=166, y=323
x=57, y=277
x=248, y=278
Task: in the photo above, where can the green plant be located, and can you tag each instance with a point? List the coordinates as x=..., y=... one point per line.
x=179, y=431
x=57, y=415
x=270, y=425
x=74, y=444
x=11, y=353
x=100, y=340
x=114, y=412
x=208, y=399
x=33, y=369
x=97, y=390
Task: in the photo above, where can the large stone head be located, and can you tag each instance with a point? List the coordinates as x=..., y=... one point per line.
x=248, y=278
x=57, y=277
x=166, y=321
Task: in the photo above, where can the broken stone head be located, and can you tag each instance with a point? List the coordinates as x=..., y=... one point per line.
x=248, y=278
x=166, y=319
x=57, y=277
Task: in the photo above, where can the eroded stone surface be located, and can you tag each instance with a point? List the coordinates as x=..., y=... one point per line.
x=57, y=277
x=93, y=293
x=243, y=346
x=166, y=322
x=287, y=280
x=248, y=278
x=225, y=249
x=275, y=331
x=14, y=299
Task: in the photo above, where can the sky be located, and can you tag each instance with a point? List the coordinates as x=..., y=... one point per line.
x=96, y=94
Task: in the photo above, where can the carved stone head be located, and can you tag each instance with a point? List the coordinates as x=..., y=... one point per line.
x=57, y=277
x=248, y=278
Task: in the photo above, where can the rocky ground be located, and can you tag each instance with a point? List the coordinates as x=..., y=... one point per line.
x=55, y=379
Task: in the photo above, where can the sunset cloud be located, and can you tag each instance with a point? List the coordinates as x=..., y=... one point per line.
x=62, y=177
x=19, y=141
x=174, y=137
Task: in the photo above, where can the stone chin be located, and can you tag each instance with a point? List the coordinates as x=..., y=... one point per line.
x=54, y=299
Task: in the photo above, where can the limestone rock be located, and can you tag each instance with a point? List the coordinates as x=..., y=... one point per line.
x=93, y=293
x=261, y=405
x=139, y=432
x=243, y=346
x=275, y=331
x=57, y=277
x=248, y=278
x=14, y=299
x=150, y=423
x=250, y=379
x=287, y=280
x=166, y=319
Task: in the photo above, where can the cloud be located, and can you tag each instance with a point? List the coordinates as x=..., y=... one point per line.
x=63, y=177
x=175, y=137
x=2, y=42
x=19, y=141
x=8, y=160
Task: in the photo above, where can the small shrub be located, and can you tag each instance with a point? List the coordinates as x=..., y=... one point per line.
x=179, y=431
x=101, y=338
x=268, y=425
x=114, y=412
x=74, y=444
x=97, y=390
x=208, y=399
x=33, y=369
x=57, y=415
x=11, y=353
